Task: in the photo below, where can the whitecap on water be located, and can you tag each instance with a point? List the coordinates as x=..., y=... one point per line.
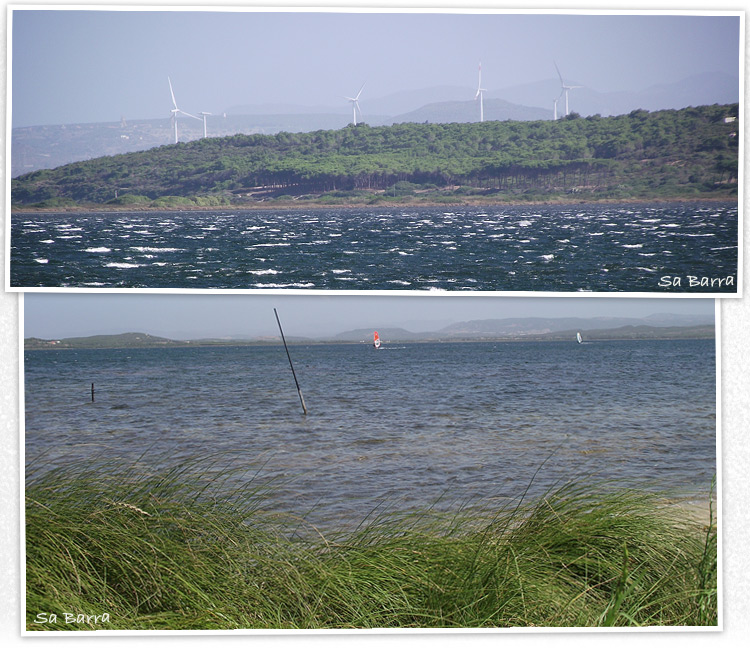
x=265, y=272
x=300, y=285
x=152, y=249
x=41, y=260
x=122, y=265
x=99, y=249
x=632, y=245
x=268, y=245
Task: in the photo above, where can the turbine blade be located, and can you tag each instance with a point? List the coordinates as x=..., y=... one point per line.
x=360, y=91
x=171, y=92
x=562, y=83
x=190, y=115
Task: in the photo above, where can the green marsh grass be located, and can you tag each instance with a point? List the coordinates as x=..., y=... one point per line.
x=185, y=550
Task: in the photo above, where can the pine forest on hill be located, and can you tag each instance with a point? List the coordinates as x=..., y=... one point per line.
x=687, y=153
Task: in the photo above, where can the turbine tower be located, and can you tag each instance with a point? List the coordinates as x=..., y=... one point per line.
x=203, y=114
x=176, y=110
x=554, y=105
x=565, y=89
x=480, y=94
x=355, y=105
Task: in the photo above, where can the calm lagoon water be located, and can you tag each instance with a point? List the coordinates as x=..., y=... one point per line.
x=398, y=428
x=531, y=248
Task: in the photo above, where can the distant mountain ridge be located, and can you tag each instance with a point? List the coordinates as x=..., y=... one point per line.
x=530, y=327
x=468, y=111
x=696, y=90
x=515, y=326
x=486, y=330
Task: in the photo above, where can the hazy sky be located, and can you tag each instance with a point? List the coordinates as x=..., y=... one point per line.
x=58, y=315
x=71, y=66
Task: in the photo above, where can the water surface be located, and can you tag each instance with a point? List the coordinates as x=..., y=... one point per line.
x=401, y=427
x=530, y=248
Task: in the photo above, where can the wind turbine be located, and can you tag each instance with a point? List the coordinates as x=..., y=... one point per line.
x=480, y=94
x=355, y=105
x=565, y=89
x=176, y=110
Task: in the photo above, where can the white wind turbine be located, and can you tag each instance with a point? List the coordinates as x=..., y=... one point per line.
x=565, y=89
x=355, y=105
x=480, y=95
x=176, y=110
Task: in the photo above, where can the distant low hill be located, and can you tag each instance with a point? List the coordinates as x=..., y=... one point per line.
x=127, y=340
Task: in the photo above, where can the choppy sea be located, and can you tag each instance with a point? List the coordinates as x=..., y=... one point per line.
x=629, y=248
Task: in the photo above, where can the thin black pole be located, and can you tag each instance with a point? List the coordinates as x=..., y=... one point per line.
x=92, y=392
x=299, y=390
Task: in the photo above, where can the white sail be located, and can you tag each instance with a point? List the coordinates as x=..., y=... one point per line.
x=578, y=336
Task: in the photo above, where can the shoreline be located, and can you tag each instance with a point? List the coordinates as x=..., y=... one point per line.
x=314, y=205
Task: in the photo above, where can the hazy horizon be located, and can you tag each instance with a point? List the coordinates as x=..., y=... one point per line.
x=180, y=316
x=81, y=66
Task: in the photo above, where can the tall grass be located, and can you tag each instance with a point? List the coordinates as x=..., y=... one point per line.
x=184, y=550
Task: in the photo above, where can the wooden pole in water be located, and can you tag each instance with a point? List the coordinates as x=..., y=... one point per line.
x=92, y=392
x=299, y=390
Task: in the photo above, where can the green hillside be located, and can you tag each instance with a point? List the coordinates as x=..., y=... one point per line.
x=690, y=153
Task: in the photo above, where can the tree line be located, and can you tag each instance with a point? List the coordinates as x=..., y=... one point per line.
x=671, y=152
